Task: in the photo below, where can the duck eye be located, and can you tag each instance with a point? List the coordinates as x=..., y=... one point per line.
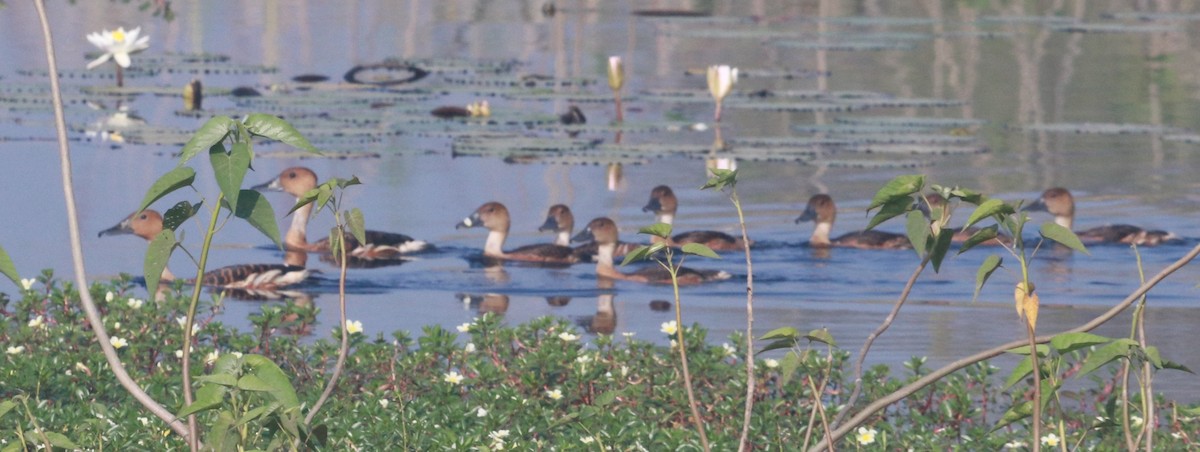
x=292, y=175
x=143, y=217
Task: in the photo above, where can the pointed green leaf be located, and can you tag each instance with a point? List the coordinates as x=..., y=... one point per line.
x=1023, y=369
x=254, y=208
x=230, y=168
x=60, y=440
x=219, y=379
x=253, y=383
x=721, y=178
x=273, y=377
x=786, y=332
x=309, y=197
x=639, y=253
x=1053, y=231
x=1015, y=414
x=900, y=186
x=917, y=228
x=7, y=406
x=208, y=396
x=1168, y=364
x=700, y=249
x=157, y=256
x=277, y=129
x=988, y=266
x=980, y=236
x=1069, y=342
x=967, y=195
x=787, y=367
x=777, y=345
x=657, y=229
x=179, y=213
x=1117, y=349
x=1042, y=350
x=255, y=414
x=821, y=335
x=324, y=193
x=987, y=209
x=349, y=183
x=357, y=225
x=890, y=209
x=941, y=245
x=1153, y=356
x=175, y=179
x=335, y=241
x=212, y=132
x=8, y=268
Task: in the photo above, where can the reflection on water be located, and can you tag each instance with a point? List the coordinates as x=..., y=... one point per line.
x=836, y=97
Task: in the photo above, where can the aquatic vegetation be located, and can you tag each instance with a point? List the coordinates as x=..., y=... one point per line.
x=117, y=45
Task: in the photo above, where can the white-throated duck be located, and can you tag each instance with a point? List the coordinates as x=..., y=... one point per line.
x=822, y=212
x=664, y=204
x=494, y=217
x=1059, y=202
x=604, y=232
x=148, y=223
x=297, y=181
x=561, y=221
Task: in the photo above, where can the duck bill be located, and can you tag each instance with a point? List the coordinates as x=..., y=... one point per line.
x=652, y=206
x=584, y=236
x=271, y=185
x=1036, y=206
x=551, y=224
x=808, y=215
x=122, y=228
x=472, y=221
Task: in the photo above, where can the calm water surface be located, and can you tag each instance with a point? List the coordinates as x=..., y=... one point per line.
x=1001, y=66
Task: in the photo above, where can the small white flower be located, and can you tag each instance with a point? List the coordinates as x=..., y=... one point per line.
x=469, y=348
x=179, y=354
x=38, y=322
x=384, y=403
x=27, y=283
x=109, y=296
x=583, y=359
x=117, y=45
x=720, y=80
x=587, y=439
x=498, y=434
x=1015, y=444
x=866, y=435
x=181, y=320
x=554, y=394
x=1136, y=420
x=211, y=357
x=354, y=326
x=669, y=327
x=453, y=377
x=728, y=349
x=17, y=349
x=237, y=355
x=1177, y=435
x=135, y=303
x=1051, y=440
x=82, y=368
x=567, y=336
x=480, y=412
x=117, y=342
x=144, y=421
x=464, y=327
x=616, y=73
x=771, y=363
x=674, y=344
x=629, y=334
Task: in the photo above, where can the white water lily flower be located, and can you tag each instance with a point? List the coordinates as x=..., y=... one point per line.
x=616, y=73
x=720, y=80
x=117, y=45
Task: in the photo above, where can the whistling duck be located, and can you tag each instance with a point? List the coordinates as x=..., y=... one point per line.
x=935, y=202
x=1059, y=202
x=148, y=223
x=664, y=204
x=561, y=221
x=297, y=181
x=822, y=211
x=494, y=217
x=604, y=232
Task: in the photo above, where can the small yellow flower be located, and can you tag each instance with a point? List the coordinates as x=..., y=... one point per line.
x=117, y=45
x=771, y=363
x=453, y=377
x=38, y=322
x=866, y=435
x=117, y=342
x=14, y=350
x=1136, y=420
x=669, y=327
x=568, y=337
x=1051, y=440
x=554, y=394
x=27, y=283
x=354, y=326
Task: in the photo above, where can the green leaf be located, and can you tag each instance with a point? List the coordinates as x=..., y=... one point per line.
x=890, y=209
x=175, y=179
x=657, y=229
x=208, y=397
x=324, y=193
x=777, y=345
x=253, y=383
x=967, y=195
x=1153, y=356
x=1053, y=231
x=700, y=249
x=212, y=132
x=223, y=436
x=60, y=440
x=1117, y=349
x=179, y=213
x=606, y=398
x=989, y=208
x=786, y=332
x=980, y=236
x=940, y=246
x=220, y=379
x=721, y=178
x=787, y=367
x=277, y=129
x=988, y=266
x=8, y=268
x=335, y=241
x=1069, y=342
x=1023, y=369
x=157, y=256
x=917, y=228
x=1014, y=414
x=253, y=207
x=273, y=377
x=357, y=225
x=309, y=197
x=1042, y=350
x=638, y=254
x=821, y=335
x=255, y=414
x=349, y=183
x=900, y=186
x=230, y=168
x=7, y=406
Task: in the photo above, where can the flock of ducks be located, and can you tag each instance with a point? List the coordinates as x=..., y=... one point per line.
x=598, y=241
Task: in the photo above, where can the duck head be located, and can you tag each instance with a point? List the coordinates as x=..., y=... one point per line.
x=820, y=209
x=295, y=181
x=145, y=224
x=492, y=215
x=662, y=201
x=1058, y=202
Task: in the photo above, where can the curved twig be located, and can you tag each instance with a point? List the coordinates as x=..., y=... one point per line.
x=934, y=376
x=750, y=382
x=85, y=297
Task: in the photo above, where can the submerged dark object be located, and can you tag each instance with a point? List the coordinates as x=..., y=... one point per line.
x=670, y=13
x=448, y=112
x=193, y=96
x=573, y=116
x=245, y=91
x=357, y=74
x=310, y=78
x=660, y=305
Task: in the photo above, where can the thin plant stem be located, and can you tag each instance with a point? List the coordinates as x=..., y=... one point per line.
x=687, y=376
x=866, y=348
x=120, y=76
x=191, y=318
x=345, y=347
x=1147, y=372
x=620, y=108
x=1036, y=443
x=743, y=443
x=820, y=409
x=932, y=377
x=1130, y=444
x=85, y=297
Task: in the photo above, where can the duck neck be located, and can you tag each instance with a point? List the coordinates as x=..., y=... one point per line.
x=495, y=243
x=1065, y=221
x=665, y=217
x=297, y=234
x=563, y=238
x=820, y=235
x=295, y=258
x=604, y=261
x=166, y=276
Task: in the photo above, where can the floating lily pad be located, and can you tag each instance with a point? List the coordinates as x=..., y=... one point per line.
x=752, y=73
x=852, y=129
x=1149, y=16
x=388, y=73
x=871, y=164
x=846, y=46
x=505, y=145
x=911, y=121
x=627, y=127
x=671, y=13
x=768, y=142
x=750, y=33
x=325, y=154
x=1189, y=138
x=874, y=20
x=806, y=107
x=175, y=91
x=572, y=97
x=1035, y=20
x=1114, y=28
x=573, y=159
x=1098, y=128
x=914, y=149
x=899, y=102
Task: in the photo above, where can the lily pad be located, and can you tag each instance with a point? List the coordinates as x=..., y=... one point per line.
x=1098, y=128
x=1114, y=28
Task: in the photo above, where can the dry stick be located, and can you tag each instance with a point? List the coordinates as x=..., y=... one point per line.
x=1129, y=442
x=89, y=306
x=934, y=376
x=821, y=410
x=887, y=322
x=750, y=382
x=345, y=348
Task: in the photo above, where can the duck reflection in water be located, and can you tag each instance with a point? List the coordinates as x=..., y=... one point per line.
x=489, y=303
